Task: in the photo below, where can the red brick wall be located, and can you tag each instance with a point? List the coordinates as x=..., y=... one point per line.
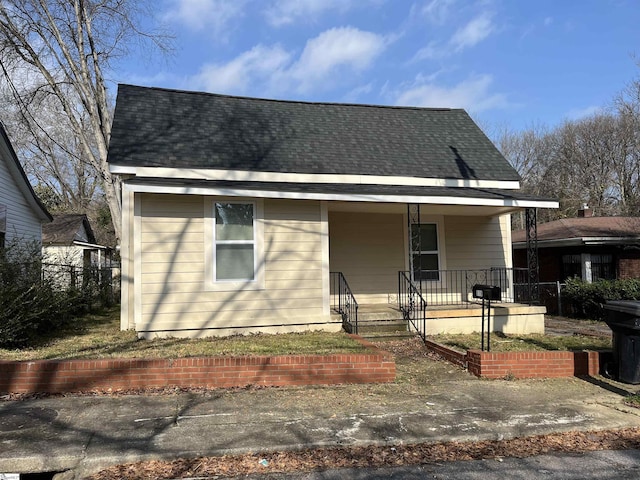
x=448, y=354
x=520, y=364
x=523, y=364
x=58, y=376
x=629, y=265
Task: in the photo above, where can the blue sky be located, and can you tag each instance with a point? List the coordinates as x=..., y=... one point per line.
x=510, y=63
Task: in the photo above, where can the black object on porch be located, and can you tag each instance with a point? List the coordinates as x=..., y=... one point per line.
x=344, y=302
x=486, y=293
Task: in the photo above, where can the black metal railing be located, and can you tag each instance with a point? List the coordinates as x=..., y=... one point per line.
x=453, y=287
x=344, y=302
x=412, y=304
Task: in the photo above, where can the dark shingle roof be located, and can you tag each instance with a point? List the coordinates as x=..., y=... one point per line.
x=169, y=128
x=570, y=228
x=64, y=228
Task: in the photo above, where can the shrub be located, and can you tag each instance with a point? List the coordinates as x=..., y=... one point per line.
x=29, y=306
x=587, y=299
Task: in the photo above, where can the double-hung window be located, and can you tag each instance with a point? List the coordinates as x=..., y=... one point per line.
x=425, y=260
x=234, y=241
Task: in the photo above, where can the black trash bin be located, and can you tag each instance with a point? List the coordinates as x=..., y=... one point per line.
x=623, y=317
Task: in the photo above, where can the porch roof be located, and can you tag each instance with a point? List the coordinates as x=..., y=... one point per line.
x=345, y=192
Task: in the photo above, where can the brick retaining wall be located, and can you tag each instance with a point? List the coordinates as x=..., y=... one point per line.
x=58, y=376
x=523, y=364
x=449, y=354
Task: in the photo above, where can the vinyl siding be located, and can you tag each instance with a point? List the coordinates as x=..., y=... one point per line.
x=22, y=223
x=477, y=242
x=368, y=248
x=174, y=298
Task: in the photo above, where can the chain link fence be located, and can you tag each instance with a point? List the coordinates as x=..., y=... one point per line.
x=100, y=286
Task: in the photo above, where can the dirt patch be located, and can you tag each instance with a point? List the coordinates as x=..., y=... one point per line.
x=373, y=456
x=563, y=326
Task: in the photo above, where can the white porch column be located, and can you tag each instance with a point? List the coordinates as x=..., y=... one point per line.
x=587, y=275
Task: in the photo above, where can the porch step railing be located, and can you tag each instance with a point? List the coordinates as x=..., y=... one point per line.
x=453, y=287
x=344, y=302
x=412, y=304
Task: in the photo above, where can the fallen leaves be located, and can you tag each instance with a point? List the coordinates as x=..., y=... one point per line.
x=374, y=456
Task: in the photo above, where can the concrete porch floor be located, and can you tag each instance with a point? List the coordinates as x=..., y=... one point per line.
x=510, y=318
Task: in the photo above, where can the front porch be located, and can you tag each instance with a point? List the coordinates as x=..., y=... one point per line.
x=419, y=263
x=386, y=321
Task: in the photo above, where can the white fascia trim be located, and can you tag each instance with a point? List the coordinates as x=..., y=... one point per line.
x=343, y=197
x=610, y=240
x=251, y=176
x=122, y=169
x=89, y=245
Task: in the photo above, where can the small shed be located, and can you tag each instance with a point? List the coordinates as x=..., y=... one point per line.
x=70, y=240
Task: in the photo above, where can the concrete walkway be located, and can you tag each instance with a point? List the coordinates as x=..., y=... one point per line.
x=432, y=401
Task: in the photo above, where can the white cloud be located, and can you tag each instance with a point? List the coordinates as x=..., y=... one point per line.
x=355, y=94
x=431, y=51
x=283, y=12
x=437, y=11
x=467, y=36
x=579, y=113
x=274, y=69
x=204, y=14
x=335, y=48
x=473, y=32
x=260, y=63
x=472, y=94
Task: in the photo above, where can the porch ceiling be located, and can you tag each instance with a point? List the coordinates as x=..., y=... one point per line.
x=401, y=208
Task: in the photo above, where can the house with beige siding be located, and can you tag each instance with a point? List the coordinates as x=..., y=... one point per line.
x=251, y=215
x=21, y=212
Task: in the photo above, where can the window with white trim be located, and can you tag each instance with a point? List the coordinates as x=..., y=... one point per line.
x=426, y=262
x=234, y=239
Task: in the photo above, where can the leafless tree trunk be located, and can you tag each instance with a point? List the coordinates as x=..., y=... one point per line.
x=627, y=169
x=56, y=52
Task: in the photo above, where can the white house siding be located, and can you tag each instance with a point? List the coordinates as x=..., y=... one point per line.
x=22, y=223
x=477, y=242
x=63, y=255
x=369, y=249
x=173, y=297
x=472, y=243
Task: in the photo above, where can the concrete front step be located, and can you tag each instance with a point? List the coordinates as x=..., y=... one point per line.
x=386, y=336
x=380, y=322
x=381, y=326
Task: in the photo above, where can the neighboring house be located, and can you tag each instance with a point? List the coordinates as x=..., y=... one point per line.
x=236, y=210
x=587, y=247
x=69, y=240
x=21, y=212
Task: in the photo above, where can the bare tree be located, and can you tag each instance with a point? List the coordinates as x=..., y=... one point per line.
x=583, y=163
x=56, y=53
x=531, y=153
x=627, y=168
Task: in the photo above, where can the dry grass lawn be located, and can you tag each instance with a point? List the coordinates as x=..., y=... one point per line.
x=522, y=343
x=99, y=336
